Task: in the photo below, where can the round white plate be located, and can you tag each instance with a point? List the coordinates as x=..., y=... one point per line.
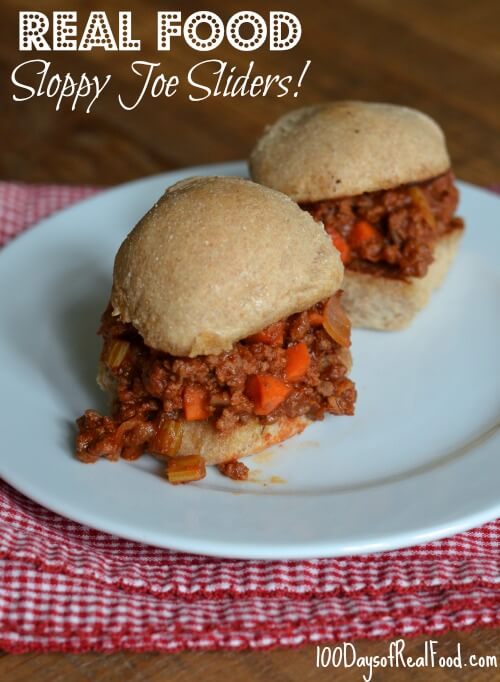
x=420, y=460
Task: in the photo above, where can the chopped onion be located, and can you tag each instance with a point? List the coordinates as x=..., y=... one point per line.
x=168, y=438
x=128, y=425
x=420, y=200
x=336, y=323
x=185, y=469
x=117, y=353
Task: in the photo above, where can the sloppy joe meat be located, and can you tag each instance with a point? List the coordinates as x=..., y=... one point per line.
x=391, y=233
x=235, y=470
x=152, y=387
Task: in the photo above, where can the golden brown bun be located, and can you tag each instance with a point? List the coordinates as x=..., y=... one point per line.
x=217, y=259
x=201, y=438
x=389, y=304
x=347, y=148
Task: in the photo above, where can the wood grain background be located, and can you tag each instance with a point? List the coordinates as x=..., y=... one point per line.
x=442, y=56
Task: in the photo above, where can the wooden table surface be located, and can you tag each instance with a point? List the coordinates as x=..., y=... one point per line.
x=442, y=56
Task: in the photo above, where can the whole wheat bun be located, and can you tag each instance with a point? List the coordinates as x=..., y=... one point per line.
x=346, y=148
x=215, y=448
x=201, y=437
x=217, y=259
x=390, y=304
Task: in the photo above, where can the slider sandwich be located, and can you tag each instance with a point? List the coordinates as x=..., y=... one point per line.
x=378, y=176
x=225, y=331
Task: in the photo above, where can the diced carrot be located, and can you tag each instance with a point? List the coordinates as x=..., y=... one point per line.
x=185, y=469
x=363, y=232
x=272, y=335
x=298, y=361
x=342, y=246
x=195, y=403
x=315, y=319
x=266, y=392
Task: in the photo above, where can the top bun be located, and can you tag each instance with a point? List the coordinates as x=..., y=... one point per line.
x=347, y=148
x=217, y=259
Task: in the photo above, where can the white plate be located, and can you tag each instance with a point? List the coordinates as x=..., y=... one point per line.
x=420, y=460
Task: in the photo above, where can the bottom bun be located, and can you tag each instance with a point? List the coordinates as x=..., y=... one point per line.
x=384, y=303
x=201, y=438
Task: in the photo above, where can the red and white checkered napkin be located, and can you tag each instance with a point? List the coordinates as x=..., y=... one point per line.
x=66, y=587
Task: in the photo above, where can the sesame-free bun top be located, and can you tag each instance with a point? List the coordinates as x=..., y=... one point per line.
x=346, y=148
x=217, y=259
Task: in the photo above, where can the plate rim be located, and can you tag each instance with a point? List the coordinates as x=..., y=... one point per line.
x=220, y=549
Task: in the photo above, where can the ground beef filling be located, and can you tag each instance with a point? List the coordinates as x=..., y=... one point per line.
x=157, y=392
x=391, y=233
x=235, y=470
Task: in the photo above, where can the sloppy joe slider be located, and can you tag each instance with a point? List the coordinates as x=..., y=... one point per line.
x=224, y=333
x=378, y=176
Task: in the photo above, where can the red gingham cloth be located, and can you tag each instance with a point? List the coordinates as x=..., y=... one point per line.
x=66, y=587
